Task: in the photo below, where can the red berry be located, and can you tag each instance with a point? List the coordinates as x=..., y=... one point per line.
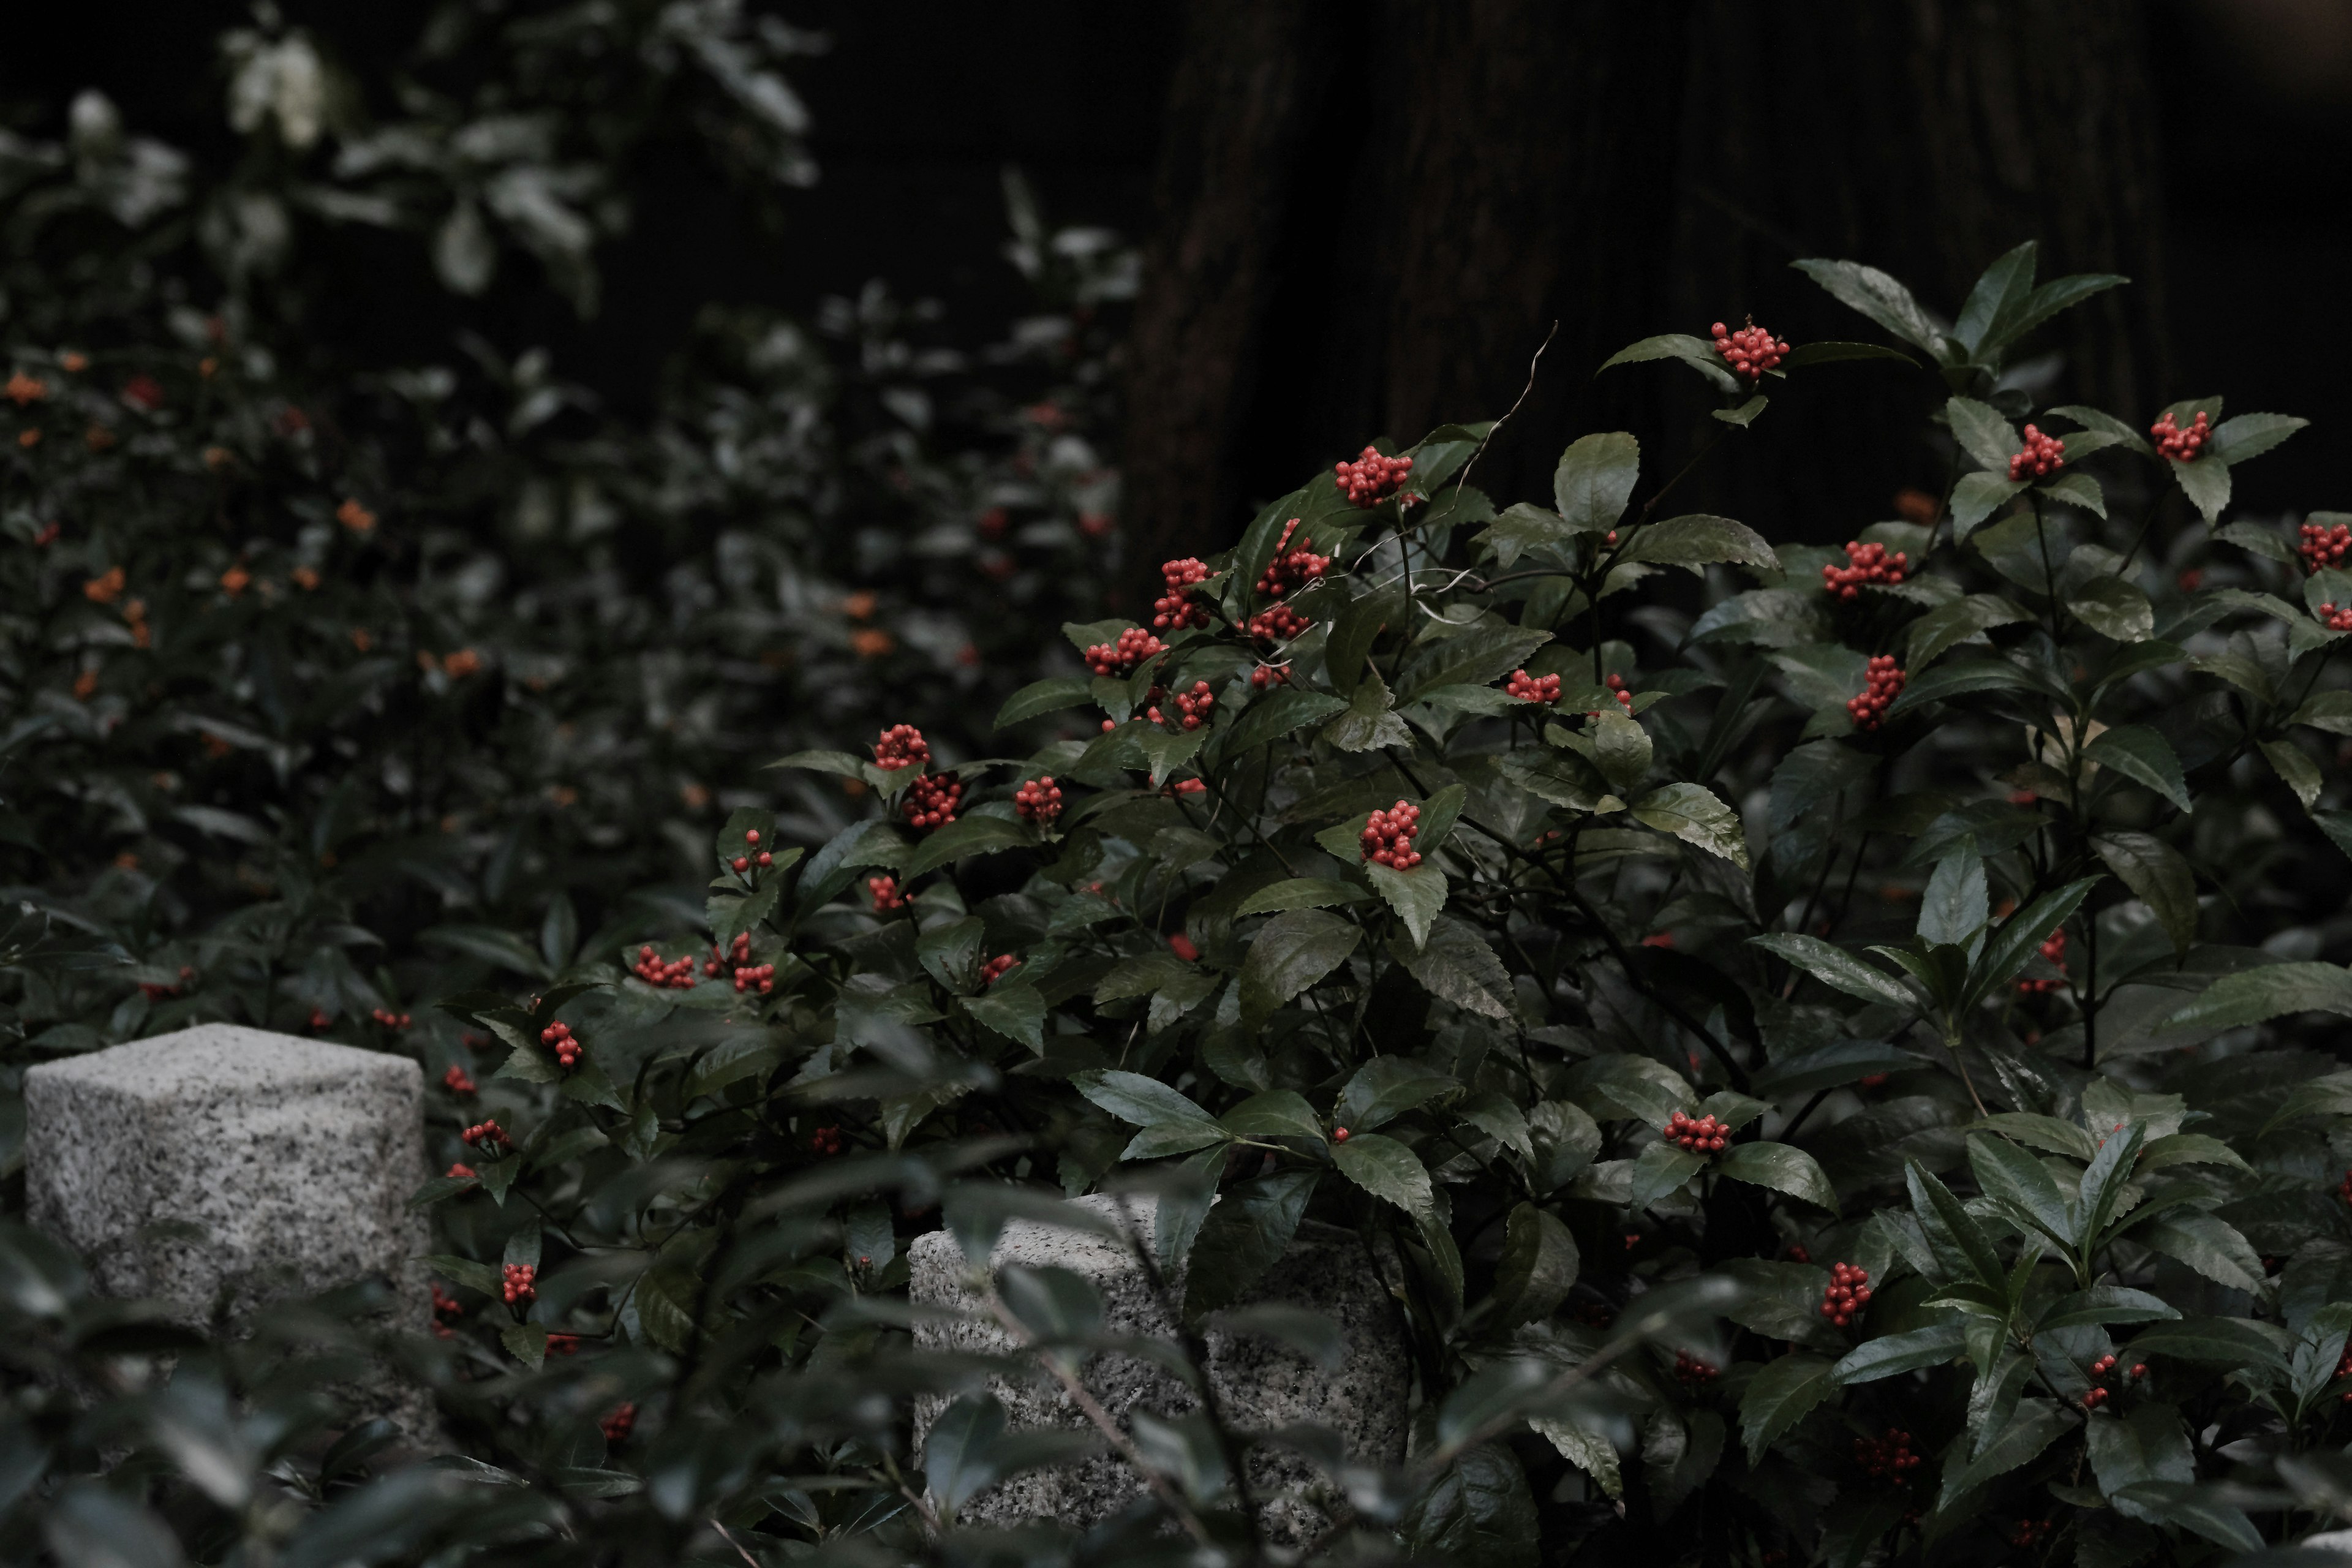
x=1866, y=562
x=931, y=800
x=1134, y=646
x=995, y=968
x=1532, y=688
x=1039, y=800
x=2041, y=456
x=1338, y=1135
x=2180, y=446
x=1372, y=477
x=1885, y=684
x=1749, y=352
x=901, y=746
x=1387, y=837
x=519, y=1282
x=1177, y=609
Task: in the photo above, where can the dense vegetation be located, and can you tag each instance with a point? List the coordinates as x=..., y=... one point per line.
x=1815, y=1041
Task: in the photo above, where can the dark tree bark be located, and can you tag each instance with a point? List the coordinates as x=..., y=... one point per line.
x=1371, y=215
x=1452, y=179
x=1925, y=138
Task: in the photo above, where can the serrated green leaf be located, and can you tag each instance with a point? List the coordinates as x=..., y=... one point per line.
x=1782, y=1167
x=2144, y=756
x=1386, y=1169
x=1693, y=813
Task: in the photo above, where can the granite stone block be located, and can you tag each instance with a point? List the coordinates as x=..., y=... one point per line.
x=1259, y=1385
x=221, y=1167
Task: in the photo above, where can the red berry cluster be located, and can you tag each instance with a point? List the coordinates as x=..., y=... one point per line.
x=460, y=1172
x=1291, y=568
x=1177, y=609
x=152, y=991
x=1616, y=684
x=2031, y=1532
x=1185, y=786
x=931, y=800
x=1192, y=708
x=1888, y=1457
x=2323, y=547
x=618, y=1426
x=2099, y=1369
x=2043, y=455
x=455, y=1081
x=558, y=1038
x=388, y=1018
x=1279, y=624
x=1388, y=836
x=1039, y=800
x=753, y=854
x=2343, y=1369
x=2334, y=619
x=447, y=1309
x=1266, y=675
x=901, y=746
x=2180, y=446
x=1886, y=686
x=995, y=968
x=563, y=1345
x=1698, y=1134
x=1749, y=352
x=487, y=1136
x=1866, y=562
x=1134, y=646
x=1848, y=1293
x=738, y=952
x=519, y=1283
x=759, y=977
x=1694, y=1372
x=668, y=973
x=1532, y=688
x=885, y=894
x=2054, y=950
x=1372, y=477
x=826, y=1141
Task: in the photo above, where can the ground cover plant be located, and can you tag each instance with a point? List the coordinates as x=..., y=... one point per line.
x=1827, y=1047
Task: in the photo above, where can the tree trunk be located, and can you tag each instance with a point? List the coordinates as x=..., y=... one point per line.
x=1443, y=182
x=1925, y=138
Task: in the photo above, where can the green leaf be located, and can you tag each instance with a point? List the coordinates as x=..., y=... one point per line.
x=1043, y=697
x=1957, y=903
x=2206, y=483
x=1878, y=297
x=840, y=763
x=1830, y=1065
x=2293, y=764
x=964, y=837
x=2144, y=1443
x=2030, y=1428
x=527, y=1342
x=1477, y=1513
x=1959, y=1245
x=1780, y=1395
x=1696, y=352
x=1595, y=478
x=1892, y=1353
x=2209, y=1244
x=2144, y=756
x=1782, y=1167
x=1621, y=748
x=1416, y=895
x=1983, y=434
x=1014, y=1009
x=2019, y=1182
x=1292, y=952
x=1145, y=1101
x=1277, y=1113
x=2192, y=1508
x=1454, y=965
x=1168, y=750
x=1832, y=353
x=1693, y=813
x=2251, y=435
x=1742, y=415
x=2254, y=995
x=1835, y=968
x=1539, y=1265
x=1354, y=632
x=1948, y=624
x=2328, y=710
x=1386, y=1169
x=1301, y=893
x=2103, y=1304
x=1659, y=1169
x=1245, y=1233
x=2022, y=933
x=959, y=1452
x=1279, y=713
x=1697, y=540
x=2212, y=1341
x=1386, y=1087
x=2080, y=490
x=1370, y=722
x=2158, y=876
x=1979, y=495
x=2115, y=608
x=1961, y=677
x=1587, y=1450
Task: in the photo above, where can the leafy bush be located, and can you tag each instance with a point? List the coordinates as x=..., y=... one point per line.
x=1812, y=1039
